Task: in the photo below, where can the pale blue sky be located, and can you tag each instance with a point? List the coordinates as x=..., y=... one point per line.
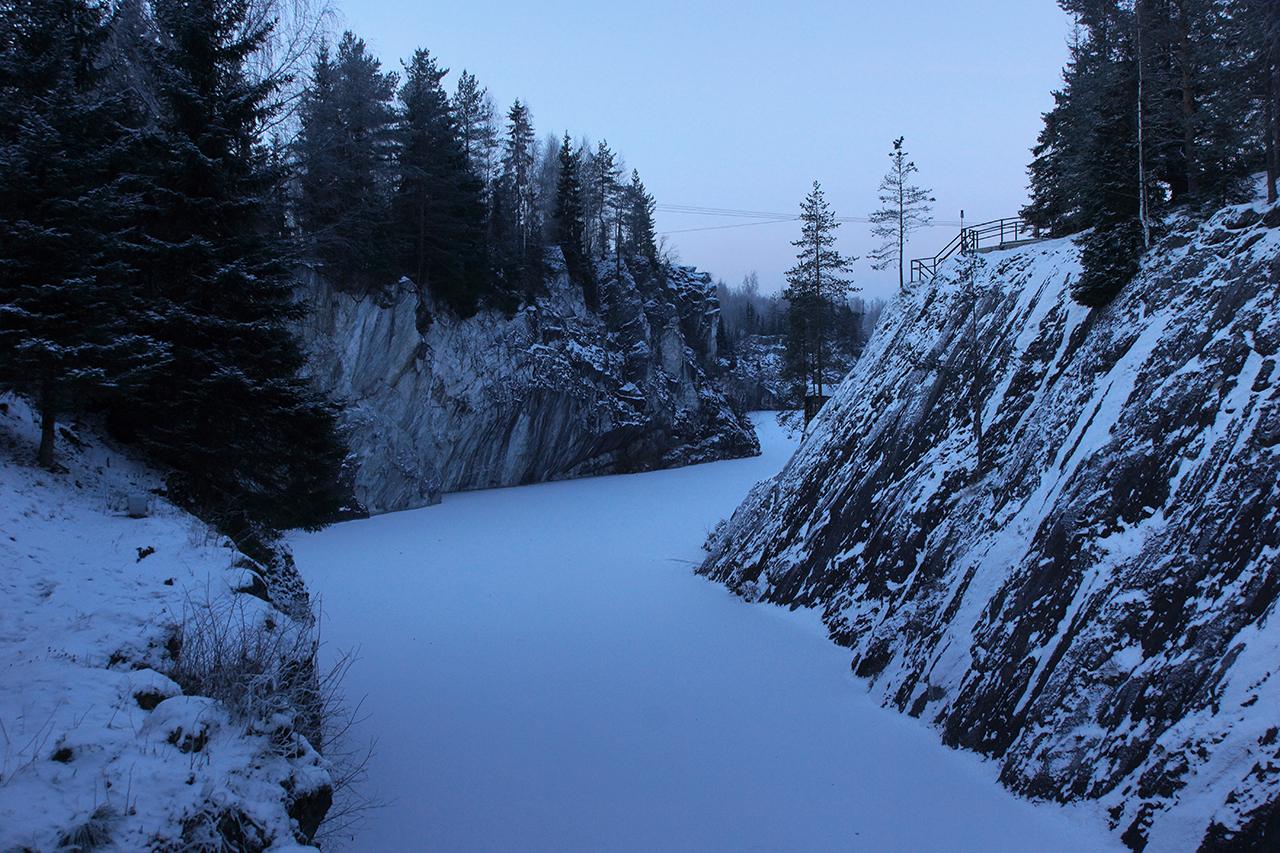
x=742, y=105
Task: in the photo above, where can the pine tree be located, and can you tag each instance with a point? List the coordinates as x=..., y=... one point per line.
x=439, y=207
x=66, y=147
x=906, y=208
x=252, y=446
x=345, y=154
x=570, y=226
x=817, y=281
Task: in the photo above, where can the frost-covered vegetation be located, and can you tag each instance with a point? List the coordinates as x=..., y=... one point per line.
x=160, y=689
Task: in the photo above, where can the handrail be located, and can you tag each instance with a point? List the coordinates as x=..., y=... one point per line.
x=1012, y=231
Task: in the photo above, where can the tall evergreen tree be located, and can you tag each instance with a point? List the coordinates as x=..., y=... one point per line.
x=1160, y=107
x=906, y=208
x=815, y=283
x=439, y=206
x=570, y=226
x=473, y=113
x=66, y=219
x=519, y=157
x=639, y=240
x=603, y=191
x=252, y=446
x=345, y=155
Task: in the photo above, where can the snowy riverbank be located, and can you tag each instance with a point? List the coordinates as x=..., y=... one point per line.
x=543, y=671
x=97, y=748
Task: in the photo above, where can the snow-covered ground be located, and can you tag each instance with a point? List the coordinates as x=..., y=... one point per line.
x=543, y=671
x=90, y=755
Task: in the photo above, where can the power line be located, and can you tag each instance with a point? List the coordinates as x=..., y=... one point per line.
x=761, y=217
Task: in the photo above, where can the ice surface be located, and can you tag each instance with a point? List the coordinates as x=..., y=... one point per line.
x=544, y=671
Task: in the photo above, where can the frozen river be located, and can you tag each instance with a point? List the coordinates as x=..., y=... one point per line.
x=543, y=672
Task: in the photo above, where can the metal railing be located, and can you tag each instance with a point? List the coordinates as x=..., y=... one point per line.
x=1007, y=233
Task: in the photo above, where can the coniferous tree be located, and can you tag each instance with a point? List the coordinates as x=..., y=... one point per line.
x=518, y=160
x=514, y=229
x=439, y=206
x=66, y=219
x=345, y=155
x=637, y=221
x=473, y=112
x=906, y=208
x=252, y=446
x=817, y=281
x=570, y=226
x=603, y=190
x=1161, y=105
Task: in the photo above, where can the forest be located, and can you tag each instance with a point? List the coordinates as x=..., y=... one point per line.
x=167, y=166
x=1167, y=107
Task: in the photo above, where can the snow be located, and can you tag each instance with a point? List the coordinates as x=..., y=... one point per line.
x=543, y=671
x=88, y=600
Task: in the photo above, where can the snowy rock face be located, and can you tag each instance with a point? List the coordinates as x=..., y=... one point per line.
x=553, y=392
x=755, y=384
x=1088, y=599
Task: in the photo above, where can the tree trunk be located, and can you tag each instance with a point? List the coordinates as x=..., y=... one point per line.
x=1188, y=104
x=1273, y=93
x=1269, y=133
x=48, y=421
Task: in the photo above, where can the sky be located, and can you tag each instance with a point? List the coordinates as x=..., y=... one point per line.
x=743, y=105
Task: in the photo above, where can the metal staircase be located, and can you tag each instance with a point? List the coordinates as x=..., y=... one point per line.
x=1007, y=234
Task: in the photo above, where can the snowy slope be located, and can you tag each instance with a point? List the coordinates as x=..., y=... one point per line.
x=95, y=743
x=1090, y=601
x=551, y=393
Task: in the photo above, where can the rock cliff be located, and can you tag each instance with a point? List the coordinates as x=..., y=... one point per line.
x=1052, y=532
x=552, y=392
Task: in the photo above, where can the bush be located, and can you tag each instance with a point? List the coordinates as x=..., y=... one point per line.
x=261, y=665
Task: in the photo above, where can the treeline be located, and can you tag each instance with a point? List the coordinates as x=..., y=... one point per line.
x=152, y=217
x=1166, y=105
x=752, y=324
x=405, y=179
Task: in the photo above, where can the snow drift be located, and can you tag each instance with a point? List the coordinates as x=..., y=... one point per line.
x=553, y=392
x=1051, y=531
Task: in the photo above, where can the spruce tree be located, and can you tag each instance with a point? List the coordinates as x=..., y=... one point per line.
x=345, y=154
x=252, y=446
x=66, y=217
x=637, y=221
x=515, y=231
x=473, y=113
x=439, y=206
x=815, y=283
x=602, y=193
x=570, y=226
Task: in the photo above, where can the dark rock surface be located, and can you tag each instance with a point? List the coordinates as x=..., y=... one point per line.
x=1084, y=594
x=553, y=392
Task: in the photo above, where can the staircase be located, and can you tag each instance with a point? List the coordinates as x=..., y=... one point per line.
x=1006, y=234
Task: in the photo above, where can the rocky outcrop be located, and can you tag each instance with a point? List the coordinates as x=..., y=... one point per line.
x=754, y=380
x=1052, y=532
x=552, y=392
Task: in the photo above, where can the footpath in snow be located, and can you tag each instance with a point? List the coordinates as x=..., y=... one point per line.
x=543, y=671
